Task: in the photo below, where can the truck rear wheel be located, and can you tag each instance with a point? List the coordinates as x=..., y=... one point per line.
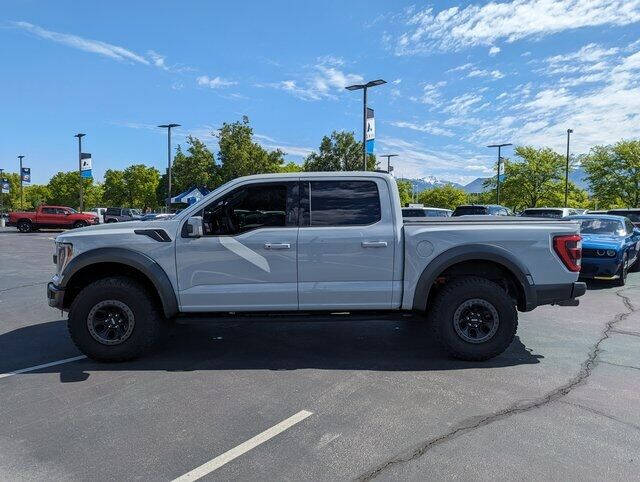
x=115, y=319
x=475, y=319
x=25, y=226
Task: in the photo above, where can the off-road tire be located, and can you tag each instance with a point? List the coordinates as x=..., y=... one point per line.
x=111, y=221
x=25, y=226
x=451, y=296
x=149, y=326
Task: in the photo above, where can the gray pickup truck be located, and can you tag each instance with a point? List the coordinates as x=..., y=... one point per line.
x=311, y=242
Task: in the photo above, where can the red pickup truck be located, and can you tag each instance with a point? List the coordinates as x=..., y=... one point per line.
x=51, y=217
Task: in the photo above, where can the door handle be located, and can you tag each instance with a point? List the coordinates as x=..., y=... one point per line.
x=374, y=244
x=277, y=246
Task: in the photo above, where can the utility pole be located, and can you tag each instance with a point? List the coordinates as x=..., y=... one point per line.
x=566, y=172
x=389, y=156
x=168, y=127
x=80, y=136
x=364, y=88
x=21, y=195
x=499, y=146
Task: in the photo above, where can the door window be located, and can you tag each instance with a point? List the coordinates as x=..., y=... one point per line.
x=340, y=203
x=251, y=207
x=48, y=210
x=113, y=212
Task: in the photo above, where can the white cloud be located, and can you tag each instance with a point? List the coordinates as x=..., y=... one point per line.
x=158, y=60
x=323, y=81
x=456, y=28
x=462, y=104
x=462, y=67
x=428, y=127
x=494, y=74
x=397, y=81
x=494, y=51
x=214, y=82
x=431, y=94
x=94, y=46
x=272, y=144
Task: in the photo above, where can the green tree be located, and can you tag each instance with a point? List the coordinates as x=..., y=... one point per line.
x=447, y=197
x=196, y=168
x=339, y=152
x=115, y=189
x=290, y=167
x=35, y=195
x=240, y=156
x=613, y=173
x=536, y=179
x=405, y=191
x=64, y=188
x=141, y=183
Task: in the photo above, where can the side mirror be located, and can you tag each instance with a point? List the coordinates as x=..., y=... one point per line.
x=194, y=227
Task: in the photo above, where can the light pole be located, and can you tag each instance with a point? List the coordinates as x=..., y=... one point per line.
x=364, y=88
x=21, y=196
x=566, y=172
x=389, y=156
x=168, y=127
x=1, y=193
x=499, y=146
x=79, y=135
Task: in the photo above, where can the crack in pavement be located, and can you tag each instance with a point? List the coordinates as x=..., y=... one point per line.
x=602, y=414
x=515, y=408
x=23, y=286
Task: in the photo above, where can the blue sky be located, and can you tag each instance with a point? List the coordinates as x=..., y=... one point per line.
x=461, y=76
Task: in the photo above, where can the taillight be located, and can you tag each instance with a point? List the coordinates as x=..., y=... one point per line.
x=569, y=248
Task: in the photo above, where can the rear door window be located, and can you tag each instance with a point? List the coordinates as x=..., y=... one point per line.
x=48, y=210
x=340, y=203
x=413, y=213
x=467, y=210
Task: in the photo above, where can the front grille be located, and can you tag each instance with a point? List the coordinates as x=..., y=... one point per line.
x=589, y=253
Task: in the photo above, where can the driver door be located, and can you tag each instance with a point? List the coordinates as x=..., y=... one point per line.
x=246, y=259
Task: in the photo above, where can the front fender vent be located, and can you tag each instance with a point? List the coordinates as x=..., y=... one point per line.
x=159, y=235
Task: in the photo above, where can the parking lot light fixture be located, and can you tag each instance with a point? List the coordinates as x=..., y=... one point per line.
x=566, y=172
x=80, y=135
x=499, y=146
x=389, y=156
x=168, y=127
x=364, y=88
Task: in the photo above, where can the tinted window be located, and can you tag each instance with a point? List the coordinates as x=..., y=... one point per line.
x=629, y=226
x=343, y=203
x=436, y=213
x=48, y=210
x=113, y=212
x=247, y=208
x=413, y=213
x=633, y=215
x=466, y=210
x=543, y=213
x=62, y=211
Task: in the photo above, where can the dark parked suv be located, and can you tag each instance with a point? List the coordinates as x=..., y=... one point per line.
x=117, y=215
x=482, y=210
x=633, y=214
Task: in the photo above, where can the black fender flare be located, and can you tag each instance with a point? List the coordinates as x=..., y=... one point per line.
x=137, y=260
x=468, y=252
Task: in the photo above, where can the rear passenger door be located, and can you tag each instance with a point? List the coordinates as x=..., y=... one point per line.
x=345, y=244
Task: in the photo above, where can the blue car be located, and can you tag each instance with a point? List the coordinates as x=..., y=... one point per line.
x=610, y=246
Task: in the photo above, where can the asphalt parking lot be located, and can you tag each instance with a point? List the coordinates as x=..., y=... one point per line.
x=317, y=400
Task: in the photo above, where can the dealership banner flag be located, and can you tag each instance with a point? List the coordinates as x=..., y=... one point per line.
x=370, y=133
x=26, y=174
x=85, y=165
x=5, y=187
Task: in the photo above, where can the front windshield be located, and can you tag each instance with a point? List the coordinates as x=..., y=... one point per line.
x=601, y=226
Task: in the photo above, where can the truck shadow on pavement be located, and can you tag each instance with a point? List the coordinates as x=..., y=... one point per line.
x=266, y=345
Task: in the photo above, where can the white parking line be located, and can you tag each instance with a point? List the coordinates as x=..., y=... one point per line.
x=243, y=448
x=45, y=365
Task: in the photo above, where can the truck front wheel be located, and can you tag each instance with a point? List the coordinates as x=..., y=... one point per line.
x=475, y=319
x=115, y=319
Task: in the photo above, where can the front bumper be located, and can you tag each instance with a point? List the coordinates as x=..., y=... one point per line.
x=565, y=293
x=55, y=296
x=605, y=269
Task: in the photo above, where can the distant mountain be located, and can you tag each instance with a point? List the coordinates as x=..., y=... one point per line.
x=577, y=176
x=429, y=182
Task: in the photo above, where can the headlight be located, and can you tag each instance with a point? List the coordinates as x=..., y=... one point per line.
x=611, y=253
x=62, y=256
x=601, y=252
